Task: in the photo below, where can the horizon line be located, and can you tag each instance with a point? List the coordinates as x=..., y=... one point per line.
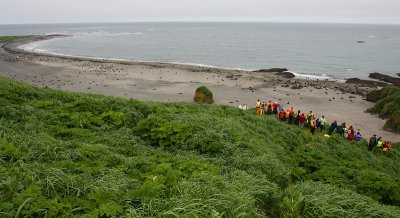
x=205, y=21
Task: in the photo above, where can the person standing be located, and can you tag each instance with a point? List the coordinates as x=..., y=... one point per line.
x=262, y=110
x=287, y=113
x=372, y=143
x=291, y=115
x=313, y=125
x=333, y=127
x=302, y=119
x=322, y=123
x=297, y=118
x=258, y=106
x=276, y=106
x=269, y=108
x=282, y=115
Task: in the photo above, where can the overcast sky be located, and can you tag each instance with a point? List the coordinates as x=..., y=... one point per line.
x=73, y=11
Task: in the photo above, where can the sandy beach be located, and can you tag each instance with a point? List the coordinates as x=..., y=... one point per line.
x=174, y=82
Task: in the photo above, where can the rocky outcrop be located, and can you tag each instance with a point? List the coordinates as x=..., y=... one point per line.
x=203, y=96
x=271, y=70
x=387, y=106
x=377, y=95
x=368, y=83
x=389, y=79
x=287, y=75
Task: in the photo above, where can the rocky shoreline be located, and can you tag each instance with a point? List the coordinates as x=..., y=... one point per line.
x=382, y=77
x=168, y=82
x=282, y=75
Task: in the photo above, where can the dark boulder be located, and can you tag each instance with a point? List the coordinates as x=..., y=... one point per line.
x=271, y=70
x=390, y=79
x=362, y=82
x=286, y=74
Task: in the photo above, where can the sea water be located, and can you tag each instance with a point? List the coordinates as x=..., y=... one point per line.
x=314, y=50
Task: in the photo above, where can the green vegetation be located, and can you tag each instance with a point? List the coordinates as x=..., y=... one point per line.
x=69, y=154
x=387, y=106
x=203, y=95
x=11, y=38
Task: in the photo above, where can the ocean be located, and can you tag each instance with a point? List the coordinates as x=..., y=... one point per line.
x=310, y=50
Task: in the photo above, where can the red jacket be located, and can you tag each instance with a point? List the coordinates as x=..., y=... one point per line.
x=282, y=114
x=302, y=118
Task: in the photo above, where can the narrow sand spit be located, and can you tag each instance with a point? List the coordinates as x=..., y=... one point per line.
x=174, y=83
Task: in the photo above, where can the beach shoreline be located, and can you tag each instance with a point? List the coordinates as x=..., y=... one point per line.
x=171, y=82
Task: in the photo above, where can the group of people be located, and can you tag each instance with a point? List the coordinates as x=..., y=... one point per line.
x=300, y=119
x=378, y=143
x=290, y=116
x=348, y=132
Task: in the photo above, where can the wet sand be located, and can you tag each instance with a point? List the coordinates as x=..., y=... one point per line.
x=175, y=82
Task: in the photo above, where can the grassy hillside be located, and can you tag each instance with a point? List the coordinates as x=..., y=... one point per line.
x=387, y=106
x=11, y=38
x=66, y=154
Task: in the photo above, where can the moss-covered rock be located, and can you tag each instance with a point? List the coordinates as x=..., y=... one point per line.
x=377, y=95
x=203, y=95
x=387, y=106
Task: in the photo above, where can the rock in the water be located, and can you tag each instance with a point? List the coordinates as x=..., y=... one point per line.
x=390, y=79
x=271, y=70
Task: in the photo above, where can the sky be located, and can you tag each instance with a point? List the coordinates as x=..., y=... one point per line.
x=84, y=11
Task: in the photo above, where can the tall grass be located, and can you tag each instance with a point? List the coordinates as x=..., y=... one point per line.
x=70, y=154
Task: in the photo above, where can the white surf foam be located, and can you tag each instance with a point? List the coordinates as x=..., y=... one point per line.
x=315, y=77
